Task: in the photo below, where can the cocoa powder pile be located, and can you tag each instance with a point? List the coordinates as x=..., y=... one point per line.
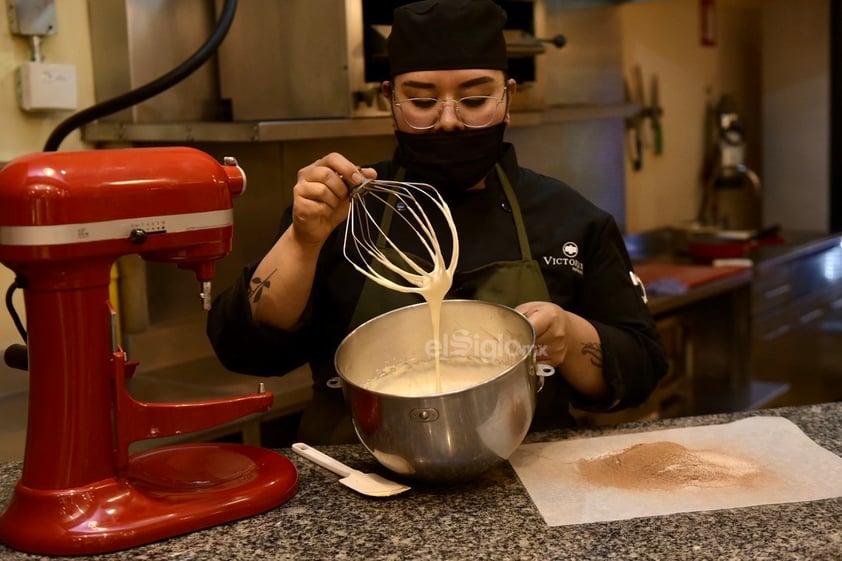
x=668, y=466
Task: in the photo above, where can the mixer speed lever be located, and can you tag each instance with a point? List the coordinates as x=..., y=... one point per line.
x=138, y=236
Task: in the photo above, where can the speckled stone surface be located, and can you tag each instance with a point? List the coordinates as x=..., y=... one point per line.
x=493, y=518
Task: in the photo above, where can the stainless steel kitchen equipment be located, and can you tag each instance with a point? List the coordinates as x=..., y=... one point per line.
x=281, y=60
x=449, y=436
x=291, y=60
x=134, y=42
x=732, y=193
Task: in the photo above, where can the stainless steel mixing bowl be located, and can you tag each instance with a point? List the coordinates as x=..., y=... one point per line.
x=443, y=437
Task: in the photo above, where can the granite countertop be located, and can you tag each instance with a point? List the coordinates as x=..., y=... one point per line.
x=494, y=518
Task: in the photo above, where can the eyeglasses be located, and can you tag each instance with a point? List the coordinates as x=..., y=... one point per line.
x=474, y=111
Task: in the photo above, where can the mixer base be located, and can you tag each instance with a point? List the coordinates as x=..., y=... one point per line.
x=163, y=493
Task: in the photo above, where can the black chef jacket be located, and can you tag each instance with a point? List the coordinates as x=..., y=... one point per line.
x=582, y=257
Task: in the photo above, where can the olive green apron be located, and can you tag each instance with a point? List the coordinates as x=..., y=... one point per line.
x=509, y=283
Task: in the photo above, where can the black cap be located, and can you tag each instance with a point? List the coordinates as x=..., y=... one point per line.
x=447, y=35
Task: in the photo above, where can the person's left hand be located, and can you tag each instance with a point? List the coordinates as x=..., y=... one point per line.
x=551, y=329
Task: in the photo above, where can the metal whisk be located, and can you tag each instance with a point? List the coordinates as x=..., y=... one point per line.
x=367, y=245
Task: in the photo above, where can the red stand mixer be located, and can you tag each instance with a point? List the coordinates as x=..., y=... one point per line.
x=65, y=217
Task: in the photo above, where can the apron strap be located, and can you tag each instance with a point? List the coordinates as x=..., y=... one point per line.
x=522, y=239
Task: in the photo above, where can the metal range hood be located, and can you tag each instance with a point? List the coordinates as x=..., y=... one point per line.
x=267, y=69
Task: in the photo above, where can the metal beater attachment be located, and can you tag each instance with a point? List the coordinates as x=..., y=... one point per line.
x=369, y=249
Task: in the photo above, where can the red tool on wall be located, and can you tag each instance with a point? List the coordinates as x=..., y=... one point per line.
x=65, y=217
x=707, y=23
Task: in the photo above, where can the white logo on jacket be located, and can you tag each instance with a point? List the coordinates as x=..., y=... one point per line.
x=569, y=250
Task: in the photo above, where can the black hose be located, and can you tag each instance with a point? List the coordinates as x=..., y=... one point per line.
x=16, y=355
x=10, y=305
x=151, y=89
x=114, y=105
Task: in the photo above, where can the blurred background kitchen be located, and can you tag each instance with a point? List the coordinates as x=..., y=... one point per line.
x=706, y=127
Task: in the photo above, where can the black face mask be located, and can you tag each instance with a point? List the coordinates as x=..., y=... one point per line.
x=451, y=162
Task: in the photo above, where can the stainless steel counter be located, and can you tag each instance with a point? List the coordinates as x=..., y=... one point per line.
x=761, y=336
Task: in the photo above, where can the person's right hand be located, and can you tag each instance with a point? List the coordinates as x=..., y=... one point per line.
x=320, y=197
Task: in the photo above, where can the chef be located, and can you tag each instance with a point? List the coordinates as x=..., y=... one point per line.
x=526, y=240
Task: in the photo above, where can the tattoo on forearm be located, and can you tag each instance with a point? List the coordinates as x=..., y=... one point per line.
x=256, y=291
x=594, y=350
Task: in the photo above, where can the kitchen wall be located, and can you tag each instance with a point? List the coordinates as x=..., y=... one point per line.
x=22, y=133
x=663, y=38
x=772, y=56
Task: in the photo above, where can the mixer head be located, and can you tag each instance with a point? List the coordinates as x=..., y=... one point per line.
x=168, y=204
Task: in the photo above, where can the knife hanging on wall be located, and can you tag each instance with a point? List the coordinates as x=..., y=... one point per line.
x=654, y=112
x=638, y=136
x=634, y=128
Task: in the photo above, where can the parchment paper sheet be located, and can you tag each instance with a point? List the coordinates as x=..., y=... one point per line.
x=798, y=470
